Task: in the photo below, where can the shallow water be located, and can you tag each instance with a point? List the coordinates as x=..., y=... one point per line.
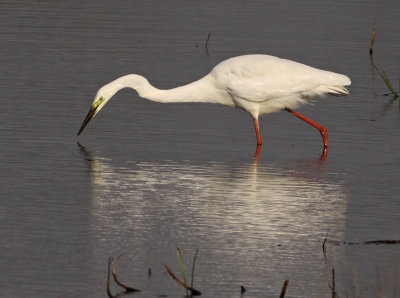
x=146, y=178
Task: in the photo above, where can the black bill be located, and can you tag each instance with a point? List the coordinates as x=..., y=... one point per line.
x=89, y=116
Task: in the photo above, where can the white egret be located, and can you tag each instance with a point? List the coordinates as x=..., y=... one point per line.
x=258, y=84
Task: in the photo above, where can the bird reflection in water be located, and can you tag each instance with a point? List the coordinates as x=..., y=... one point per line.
x=214, y=204
x=249, y=184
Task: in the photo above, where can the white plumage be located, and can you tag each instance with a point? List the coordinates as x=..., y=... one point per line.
x=276, y=83
x=258, y=84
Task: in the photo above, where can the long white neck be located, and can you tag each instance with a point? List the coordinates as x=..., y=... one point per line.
x=203, y=90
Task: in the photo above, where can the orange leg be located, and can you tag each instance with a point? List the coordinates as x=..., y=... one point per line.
x=322, y=130
x=257, y=154
x=257, y=127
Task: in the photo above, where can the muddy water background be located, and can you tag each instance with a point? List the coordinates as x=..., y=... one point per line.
x=149, y=177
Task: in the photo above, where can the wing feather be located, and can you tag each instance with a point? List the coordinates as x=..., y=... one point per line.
x=258, y=78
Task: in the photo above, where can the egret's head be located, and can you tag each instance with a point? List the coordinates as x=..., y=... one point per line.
x=105, y=93
x=99, y=102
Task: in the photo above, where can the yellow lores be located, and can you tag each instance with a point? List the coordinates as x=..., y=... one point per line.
x=98, y=102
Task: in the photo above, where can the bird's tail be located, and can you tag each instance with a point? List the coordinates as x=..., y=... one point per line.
x=334, y=90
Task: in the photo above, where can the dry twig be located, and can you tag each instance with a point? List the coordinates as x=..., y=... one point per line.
x=194, y=262
x=114, y=274
x=110, y=259
x=323, y=244
x=193, y=291
x=371, y=48
x=334, y=295
x=206, y=45
x=284, y=288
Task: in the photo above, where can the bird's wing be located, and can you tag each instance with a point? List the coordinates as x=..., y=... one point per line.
x=262, y=81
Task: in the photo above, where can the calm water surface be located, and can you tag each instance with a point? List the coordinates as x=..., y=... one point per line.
x=146, y=178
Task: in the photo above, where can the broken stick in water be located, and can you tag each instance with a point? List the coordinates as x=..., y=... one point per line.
x=114, y=274
x=193, y=291
x=284, y=288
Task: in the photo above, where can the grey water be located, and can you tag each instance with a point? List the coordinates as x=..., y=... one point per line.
x=146, y=178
